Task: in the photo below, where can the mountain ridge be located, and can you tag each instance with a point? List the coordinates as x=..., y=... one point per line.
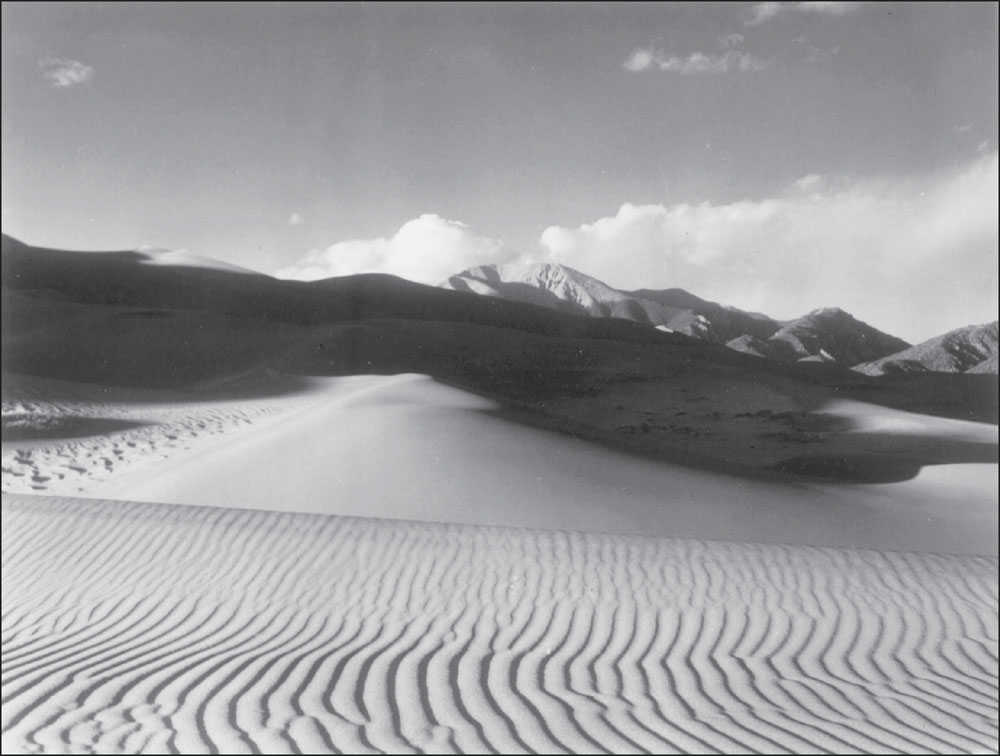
x=826, y=334
x=567, y=289
x=970, y=349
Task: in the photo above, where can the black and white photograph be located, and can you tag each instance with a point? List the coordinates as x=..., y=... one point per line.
x=485, y=377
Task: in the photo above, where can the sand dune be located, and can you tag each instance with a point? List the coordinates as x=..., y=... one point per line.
x=408, y=447
x=148, y=628
x=73, y=446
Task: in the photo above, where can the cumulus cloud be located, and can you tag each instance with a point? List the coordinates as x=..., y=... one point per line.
x=295, y=219
x=914, y=257
x=427, y=249
x=761, y=12
x=806, y=183
x=640, y=59
x=730, y=40
x=643, y=59
x=62, y=73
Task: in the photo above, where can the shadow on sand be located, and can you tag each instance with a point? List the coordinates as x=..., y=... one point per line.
x=29, y=427
x=893, y=458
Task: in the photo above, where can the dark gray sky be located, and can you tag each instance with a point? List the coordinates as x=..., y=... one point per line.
x=774, y=156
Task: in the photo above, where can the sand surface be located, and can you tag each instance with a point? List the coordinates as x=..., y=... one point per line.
x=408, y=447
x=131, y=627
x=386, y=564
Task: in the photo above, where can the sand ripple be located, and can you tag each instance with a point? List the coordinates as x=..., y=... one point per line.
x=73, y=445
x=152, y=628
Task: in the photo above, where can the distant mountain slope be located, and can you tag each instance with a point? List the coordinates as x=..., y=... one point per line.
x=826, y=335
x=972, y=349
x=553, y=286
x=567, y=290
x=699, y=317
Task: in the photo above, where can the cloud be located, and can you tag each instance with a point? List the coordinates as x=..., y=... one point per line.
x=806, y=183
x=761, y=12
x=730, y=40
x=640, y=60
x=427, y=249
x=914, y=257
x=295, y=219
x=643, y=59
x=62, y=73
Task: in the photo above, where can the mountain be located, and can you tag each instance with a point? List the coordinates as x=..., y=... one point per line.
x=694, y=316
x=567, y=290
x=972, y=349
x=825, y=335
x=772, y=350
x=554, y=286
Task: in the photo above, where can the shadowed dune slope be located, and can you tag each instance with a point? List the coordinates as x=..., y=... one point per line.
x=134, y=628
x=108, y=318
x=122, y=279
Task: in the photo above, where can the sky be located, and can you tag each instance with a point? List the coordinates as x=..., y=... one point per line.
x=778, y=157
